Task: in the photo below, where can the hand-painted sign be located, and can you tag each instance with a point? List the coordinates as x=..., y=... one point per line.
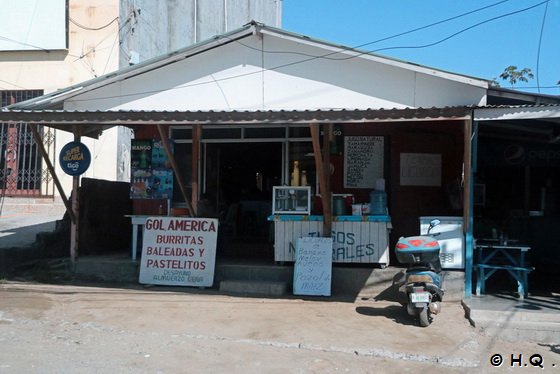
x=364, y=240
x=74, y=158
x=179, y=251
x=313, y=266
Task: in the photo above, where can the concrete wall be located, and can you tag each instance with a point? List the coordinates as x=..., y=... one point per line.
x=157, y=27
x=90, y=53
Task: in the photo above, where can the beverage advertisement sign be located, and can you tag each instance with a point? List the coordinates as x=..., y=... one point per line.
x=179, y=251
x=151, y=173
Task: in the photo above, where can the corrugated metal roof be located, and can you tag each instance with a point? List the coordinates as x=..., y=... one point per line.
x=517, y=112
x=122, y=117
x=91, y=123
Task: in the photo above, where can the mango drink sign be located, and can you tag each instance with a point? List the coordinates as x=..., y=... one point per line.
x=179, y=251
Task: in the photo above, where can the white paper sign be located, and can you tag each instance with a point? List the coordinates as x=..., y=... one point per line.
x=179, y=251
x=313, y=266
x=420, y=169
x=363, y=161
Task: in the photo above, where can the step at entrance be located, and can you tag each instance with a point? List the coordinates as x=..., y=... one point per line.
x=257, y=288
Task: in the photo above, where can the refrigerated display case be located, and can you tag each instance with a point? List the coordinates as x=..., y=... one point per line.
x=291, y=200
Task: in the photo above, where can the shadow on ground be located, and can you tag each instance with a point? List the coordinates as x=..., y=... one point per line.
x=395, y=313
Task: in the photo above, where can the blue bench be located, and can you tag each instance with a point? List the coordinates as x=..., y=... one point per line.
x=485, y=271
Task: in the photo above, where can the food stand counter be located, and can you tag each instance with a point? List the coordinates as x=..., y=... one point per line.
x=356, y=239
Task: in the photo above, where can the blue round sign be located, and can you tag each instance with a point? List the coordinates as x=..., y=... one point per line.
x=74, y=158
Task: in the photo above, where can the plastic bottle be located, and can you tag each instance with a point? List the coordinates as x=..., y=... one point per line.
x=378, y=203
x=304, y=178
x=295, y=174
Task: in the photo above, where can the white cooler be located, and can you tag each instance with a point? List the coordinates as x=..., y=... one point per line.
x=451, y=240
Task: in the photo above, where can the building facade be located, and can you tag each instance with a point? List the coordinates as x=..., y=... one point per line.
x=49, y=45
x=86, y=40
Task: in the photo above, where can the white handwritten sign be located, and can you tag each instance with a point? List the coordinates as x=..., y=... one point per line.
x=179, y=251
x=313, y=266
x=363, y=161
x=420, y=169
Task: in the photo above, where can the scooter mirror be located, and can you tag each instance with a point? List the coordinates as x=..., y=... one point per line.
x=433, y=223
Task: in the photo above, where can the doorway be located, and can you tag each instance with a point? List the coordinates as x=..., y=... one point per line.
x=238, y=180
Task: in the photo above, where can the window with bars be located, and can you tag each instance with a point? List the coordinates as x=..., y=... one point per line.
x=21, y=171
x=15, y=96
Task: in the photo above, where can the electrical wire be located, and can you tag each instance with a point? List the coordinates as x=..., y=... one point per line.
x=432, y=24
x=540, y=43
x=385, y=38
x=12, y=84
x=111, y=53
x=23, y=43
x=93, y=28
x=153, y=32
x=326, y=56
x=94, y=48
x=464, y=30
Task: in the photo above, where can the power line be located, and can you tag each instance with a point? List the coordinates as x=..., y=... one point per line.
x=540, y=43
x=93, y=28
x=326, y=56
x=23, y=43
x=464, y=30
x=432, y=24
x=83, y=55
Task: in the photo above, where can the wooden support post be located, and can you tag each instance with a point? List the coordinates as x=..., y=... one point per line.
x=196, y=136
x=50, y=167
x=467, y=172
x=75, y=225
x=322, y=165
x=164, y=138
x=470, y=142
x=327, y=208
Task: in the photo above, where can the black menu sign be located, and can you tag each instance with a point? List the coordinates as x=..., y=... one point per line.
x=363, y=161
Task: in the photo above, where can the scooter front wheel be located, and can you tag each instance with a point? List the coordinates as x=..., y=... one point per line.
x=424, y=316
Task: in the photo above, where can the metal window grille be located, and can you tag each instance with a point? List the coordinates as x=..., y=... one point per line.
x=21, y=165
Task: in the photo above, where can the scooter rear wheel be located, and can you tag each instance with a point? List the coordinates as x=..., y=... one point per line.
x=424, y=316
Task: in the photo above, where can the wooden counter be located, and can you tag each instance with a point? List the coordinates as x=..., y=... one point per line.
x=356, y=239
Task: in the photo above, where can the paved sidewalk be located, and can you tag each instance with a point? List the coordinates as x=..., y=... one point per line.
x=70, y=329
x=19, y=228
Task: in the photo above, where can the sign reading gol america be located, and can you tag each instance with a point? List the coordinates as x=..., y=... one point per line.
x=74, y=158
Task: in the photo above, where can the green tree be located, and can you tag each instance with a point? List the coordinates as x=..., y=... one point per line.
x=512, y=75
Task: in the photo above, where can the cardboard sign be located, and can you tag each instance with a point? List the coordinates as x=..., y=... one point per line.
x=313, y=266
x=179, y=251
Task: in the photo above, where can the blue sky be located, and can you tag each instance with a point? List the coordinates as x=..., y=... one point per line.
x=481, y=51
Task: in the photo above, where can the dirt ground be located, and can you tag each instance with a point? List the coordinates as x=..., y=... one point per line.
x=87, y=329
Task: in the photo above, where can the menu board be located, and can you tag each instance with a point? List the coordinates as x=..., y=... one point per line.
x=313, y=266
x=179, y=251
x=363, y=161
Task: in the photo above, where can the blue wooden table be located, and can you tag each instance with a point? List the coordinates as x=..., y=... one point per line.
x=491, y=257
